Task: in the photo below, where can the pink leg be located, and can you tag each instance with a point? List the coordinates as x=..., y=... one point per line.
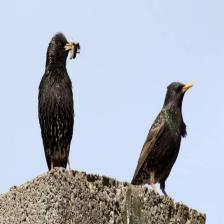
x=153, y=187
x=151, y=181
x=69, y=168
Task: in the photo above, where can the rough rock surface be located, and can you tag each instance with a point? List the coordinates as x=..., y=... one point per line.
x=57, y=197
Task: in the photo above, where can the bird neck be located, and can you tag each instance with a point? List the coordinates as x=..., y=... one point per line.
x=173, y=107
x=174, y=112
x=55, y=63
x=174, y=118
x=56, y=59
x=55, y=70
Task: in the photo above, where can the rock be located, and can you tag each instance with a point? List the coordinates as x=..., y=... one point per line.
x=60, y=198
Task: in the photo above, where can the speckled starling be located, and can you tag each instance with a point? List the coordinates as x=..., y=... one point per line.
x=162, y=144
x=55, y=102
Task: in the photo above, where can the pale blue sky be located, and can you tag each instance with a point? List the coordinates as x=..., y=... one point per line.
x=130, y=52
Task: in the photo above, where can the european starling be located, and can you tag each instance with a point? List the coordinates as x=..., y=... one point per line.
x=162, y=144
x=55, y=102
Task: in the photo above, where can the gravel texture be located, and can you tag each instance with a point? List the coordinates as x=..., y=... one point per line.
x=60, y=198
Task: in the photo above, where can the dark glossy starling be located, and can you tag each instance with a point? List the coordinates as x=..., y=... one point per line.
x=55, y=102
x=162, y=144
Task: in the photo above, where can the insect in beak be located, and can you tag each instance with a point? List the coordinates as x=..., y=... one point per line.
x=73, y=49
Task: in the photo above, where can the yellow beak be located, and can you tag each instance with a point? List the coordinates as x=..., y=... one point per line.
x=186, y=87
x=69, y=46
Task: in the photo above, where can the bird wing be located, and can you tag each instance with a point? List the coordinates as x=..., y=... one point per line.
x=154, y=134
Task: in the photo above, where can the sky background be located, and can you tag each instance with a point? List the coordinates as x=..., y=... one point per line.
x=130, y=52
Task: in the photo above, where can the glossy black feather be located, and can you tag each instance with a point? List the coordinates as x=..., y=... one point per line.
x=162, y=144
x=55, y=105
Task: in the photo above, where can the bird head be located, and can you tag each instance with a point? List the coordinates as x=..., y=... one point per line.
x=59, y=48
x=175, y=93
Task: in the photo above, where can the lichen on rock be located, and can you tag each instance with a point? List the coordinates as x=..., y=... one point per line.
x=57, y=197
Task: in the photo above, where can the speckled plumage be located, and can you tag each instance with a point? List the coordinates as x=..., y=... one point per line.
x=162, y=144
x=55, y=104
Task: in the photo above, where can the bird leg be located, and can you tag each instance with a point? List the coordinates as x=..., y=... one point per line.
x=52, y=165
x=153, y=187
x=151, y=181
x=162, y=187
x=69, y=168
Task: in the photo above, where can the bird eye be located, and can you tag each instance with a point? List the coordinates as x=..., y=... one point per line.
x=178, y=88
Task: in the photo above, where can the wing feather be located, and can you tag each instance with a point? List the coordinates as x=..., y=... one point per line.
x=153, y=136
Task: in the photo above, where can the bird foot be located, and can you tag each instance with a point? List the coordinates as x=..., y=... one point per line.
x=70, y=173
x=164, y=192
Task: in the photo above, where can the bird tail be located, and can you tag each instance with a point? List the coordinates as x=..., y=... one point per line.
x=134, y=181
x=57, y=158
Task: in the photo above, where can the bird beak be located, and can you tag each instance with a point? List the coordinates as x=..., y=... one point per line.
x=186, y=87
x=72, y=48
